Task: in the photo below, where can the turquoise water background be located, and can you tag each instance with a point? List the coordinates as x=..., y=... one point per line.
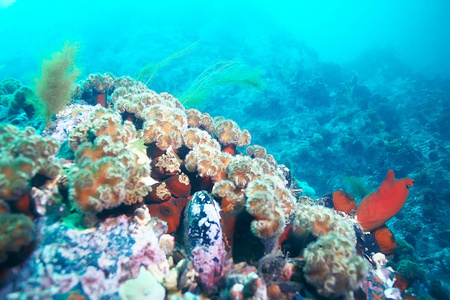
x=121, y=36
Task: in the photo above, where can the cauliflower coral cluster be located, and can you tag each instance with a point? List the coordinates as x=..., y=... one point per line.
x=333, y=266
x=27, y=160
x=332, y=263
x=17, y=236
x=188, y=151
x=199, y=149
x=257, y=184
x=24, y=155
x=106, y=172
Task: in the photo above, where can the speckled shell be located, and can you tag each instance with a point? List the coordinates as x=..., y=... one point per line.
x=205, y=244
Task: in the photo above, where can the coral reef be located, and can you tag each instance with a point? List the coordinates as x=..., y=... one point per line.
x=267, y=209
x=326, y=122
x=26, y=158
x=156, y=200
x=100, y=259
x=145, y=286
x=9, y=86
x=106, y=173
x=22, y=99
x=102, y=122
x=333, y=266
x=321, y=221
x=164, y=126
x=176, y=158
x=17, y=237
x=229, y=133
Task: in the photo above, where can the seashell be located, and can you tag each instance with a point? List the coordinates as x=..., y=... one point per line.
x=205, y=244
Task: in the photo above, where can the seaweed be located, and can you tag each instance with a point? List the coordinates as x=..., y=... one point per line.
x=150, y=70
x=56, y=84
x=225, y=72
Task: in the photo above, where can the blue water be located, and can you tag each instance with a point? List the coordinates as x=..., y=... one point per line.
x=351, y=89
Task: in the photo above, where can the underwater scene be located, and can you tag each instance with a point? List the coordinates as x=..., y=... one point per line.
x=229, y=150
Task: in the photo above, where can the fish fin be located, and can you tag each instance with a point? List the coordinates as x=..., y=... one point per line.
x=390, y=176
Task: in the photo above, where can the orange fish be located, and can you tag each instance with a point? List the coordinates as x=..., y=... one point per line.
x=385, y=240
x=378, y=207
x=343, y=201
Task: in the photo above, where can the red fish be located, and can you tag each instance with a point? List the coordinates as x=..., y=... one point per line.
x=378, y=207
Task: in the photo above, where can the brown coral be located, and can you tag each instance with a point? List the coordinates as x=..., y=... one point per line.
x=195, y=136
x=107, y=173
x=24, y=155
x=17, y=234
x=229, y=133
x=233, y=199
x=207, y=160
x=264, y=196
x=101, y=83
x=242, y=169
x=179, y=185
x=9, y=85
x=200, y=120
x=166, y=165
x=100, y=186
x=164, y=126
x=132, y=103
x=22, y=99
x=14, y=176
x=262, y=204
x=102, y=122
x=105, y=179
x=320, y=221
x=333, y=266
x=267, y=161
x=41, y=150
x=160, y=193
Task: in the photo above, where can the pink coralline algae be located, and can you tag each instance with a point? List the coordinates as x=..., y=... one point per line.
x=68, y=118
x=99, y=260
